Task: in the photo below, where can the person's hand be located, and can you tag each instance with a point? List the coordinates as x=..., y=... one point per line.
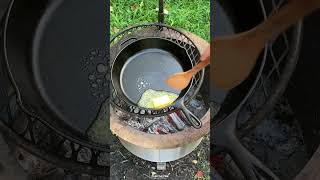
x=206, y=54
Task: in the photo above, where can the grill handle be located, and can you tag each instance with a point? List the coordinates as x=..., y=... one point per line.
x=190, y=117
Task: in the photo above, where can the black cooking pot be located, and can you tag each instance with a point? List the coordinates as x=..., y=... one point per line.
x=50, y=48
x=144, y=63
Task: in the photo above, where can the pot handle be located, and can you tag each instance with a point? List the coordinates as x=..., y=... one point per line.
x=192, y=119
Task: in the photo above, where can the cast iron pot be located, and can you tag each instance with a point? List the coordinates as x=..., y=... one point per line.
x=44, y=43
x=145, y=63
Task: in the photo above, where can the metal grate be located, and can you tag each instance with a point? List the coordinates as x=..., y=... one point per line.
x=278, y=63
x=277, y=53
x=44, y=141
x=56, y=148
x=154, y=30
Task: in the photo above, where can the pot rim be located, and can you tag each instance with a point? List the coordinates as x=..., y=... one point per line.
x=178, y=100
x=185, y=98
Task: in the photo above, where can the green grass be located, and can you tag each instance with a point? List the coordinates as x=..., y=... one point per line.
x=191, y=15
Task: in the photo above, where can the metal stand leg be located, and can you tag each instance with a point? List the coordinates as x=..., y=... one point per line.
x=161, y=166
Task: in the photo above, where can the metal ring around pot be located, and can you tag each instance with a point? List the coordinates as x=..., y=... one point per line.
x=141, y=32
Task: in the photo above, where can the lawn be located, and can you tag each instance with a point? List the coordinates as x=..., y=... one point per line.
x=191, y=15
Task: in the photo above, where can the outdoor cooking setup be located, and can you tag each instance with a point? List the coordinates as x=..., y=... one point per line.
x=51, y=101
x=141, y=58
x=58, y=108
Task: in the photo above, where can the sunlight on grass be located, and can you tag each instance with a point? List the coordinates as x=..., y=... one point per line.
x=191, y=15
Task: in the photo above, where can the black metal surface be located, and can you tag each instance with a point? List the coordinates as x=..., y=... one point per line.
x=49, y=76
x=44, y=137
x=71, y=164
x=303, y=91
x=172, y=41
x=145, y=64
x=41, y=140
x=161, y=13
x=45, y=143
x=59, y=44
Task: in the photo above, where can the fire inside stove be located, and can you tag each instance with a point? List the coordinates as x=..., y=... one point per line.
x=171, y=123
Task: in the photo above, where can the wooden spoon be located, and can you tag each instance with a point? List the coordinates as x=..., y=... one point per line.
x=181, y=80
x=235, y=56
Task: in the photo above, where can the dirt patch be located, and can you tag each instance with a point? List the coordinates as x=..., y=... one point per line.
x=125, y=165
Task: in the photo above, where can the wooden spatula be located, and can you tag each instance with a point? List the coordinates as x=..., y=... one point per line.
x=181, y=80
x=235, y=56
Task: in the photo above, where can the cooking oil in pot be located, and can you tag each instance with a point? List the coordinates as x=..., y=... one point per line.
x=157, y=99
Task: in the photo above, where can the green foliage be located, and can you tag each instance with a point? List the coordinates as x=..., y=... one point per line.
x=191, y=15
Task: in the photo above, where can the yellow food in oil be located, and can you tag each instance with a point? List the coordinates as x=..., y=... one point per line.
x=156, y=99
